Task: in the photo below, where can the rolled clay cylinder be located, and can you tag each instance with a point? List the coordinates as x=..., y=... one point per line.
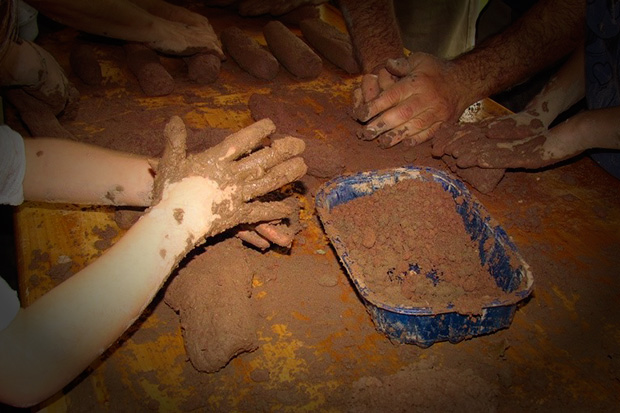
x=203, y=68
x=249, y=54
x=295, y=55
x=85, y=65
x=145, y=65
x=333, y=44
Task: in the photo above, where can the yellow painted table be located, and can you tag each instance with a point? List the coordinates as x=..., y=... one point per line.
x=563, y=342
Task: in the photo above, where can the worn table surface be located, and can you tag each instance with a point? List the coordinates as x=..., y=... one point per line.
x=565, y=341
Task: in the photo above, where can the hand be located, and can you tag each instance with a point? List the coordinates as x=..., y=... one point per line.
x=53, y=88
x=514, y=141
x=412, y=97
x=182, y=39
x=212, y=191
x=273, y=7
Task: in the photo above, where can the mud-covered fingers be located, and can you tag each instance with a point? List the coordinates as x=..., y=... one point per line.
x=276, y=234
x=385, y=79
x=406, y=113
x=278, y=176
x=251, y=237
x=254, y=165
x=443, y=136
x=370, y=87
x=241, y=142
x=399, y=67
x=253, y=212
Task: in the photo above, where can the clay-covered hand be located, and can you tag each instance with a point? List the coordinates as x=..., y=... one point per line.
x=273, y=7
x=183, y=39
x=51, y=85
x=212, y=191
x=513, y=141
x=408, y=100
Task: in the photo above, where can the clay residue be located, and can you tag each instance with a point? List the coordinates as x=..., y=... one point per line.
x=212, y=296
x=412, y=249
x=106, y=236
x=85, y=65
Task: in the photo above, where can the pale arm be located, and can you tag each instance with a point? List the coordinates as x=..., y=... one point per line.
x=66, y=171
x=59, y=335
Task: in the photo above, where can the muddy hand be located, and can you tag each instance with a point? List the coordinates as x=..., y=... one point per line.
x=413, y=107
x=53, y=88
x=216, y=187
x=273, y=7
x=183, y=39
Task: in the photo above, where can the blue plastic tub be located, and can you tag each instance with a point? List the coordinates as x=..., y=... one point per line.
x=419, y=325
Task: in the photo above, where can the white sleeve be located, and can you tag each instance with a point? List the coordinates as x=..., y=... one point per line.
x=12, y=166
x=9, y=304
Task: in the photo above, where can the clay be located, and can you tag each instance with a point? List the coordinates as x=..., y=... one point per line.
x=212, y=295
x=419, y=254
x=249, y=54
x=294, y=17
x=38, y=117
x=322, y=158
x=295, y=55
x=203, y=68
x=145, y=65
x=85, y=65
x=125, y=218
x=483, y=180
x=333, y=44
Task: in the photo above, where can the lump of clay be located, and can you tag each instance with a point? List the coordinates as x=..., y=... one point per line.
x=145, y=65
x=85, y=65
x=212, y=296
x=295, y=55
x=249, y=54
x=483, y=180
x=203, y=68
x=333, y=44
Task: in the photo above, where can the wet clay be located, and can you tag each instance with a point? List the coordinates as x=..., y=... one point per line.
x=333, y=44
x=249, y=54
x=145, y=65
x=322, y=158
x=212, y=294
x=411, y=248
x=484, y=180
x=85, y=65
x=295, y=55
x=203, y=68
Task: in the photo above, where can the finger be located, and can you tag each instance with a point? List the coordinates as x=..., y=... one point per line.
x=276, y=234
x=279, y=151
x=405, y=113
x=464, y=142
x=370, y=87
x=253, y=212
x=386, y=79
x=176, y=137
x=398, y=67
x=253, y=238
x=281, y=174
x=241, y=142
x=358, y=98
x=467, y=160
x=389, y=98
x=443, y=136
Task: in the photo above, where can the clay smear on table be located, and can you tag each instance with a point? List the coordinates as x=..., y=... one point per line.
x=411, y=248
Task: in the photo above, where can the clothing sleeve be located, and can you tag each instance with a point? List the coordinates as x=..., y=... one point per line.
x=12, y=166
x=9, y=304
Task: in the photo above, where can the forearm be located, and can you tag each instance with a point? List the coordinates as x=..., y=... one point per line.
x=549, y=31
x=66, y=171
x=563, y=90
x=374, y=31
x=111, y=18
x=58, y=336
